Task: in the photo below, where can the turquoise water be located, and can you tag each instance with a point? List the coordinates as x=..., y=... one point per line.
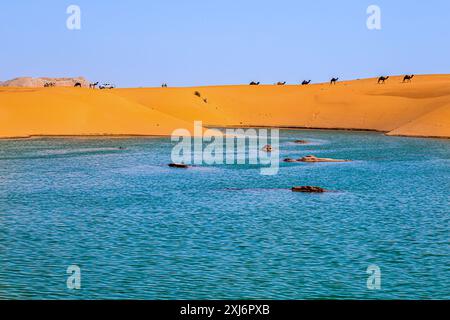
x=138, y=229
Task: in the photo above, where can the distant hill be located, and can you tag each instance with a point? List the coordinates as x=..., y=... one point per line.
x=40, y=82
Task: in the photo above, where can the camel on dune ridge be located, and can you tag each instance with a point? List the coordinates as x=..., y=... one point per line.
x=382, y=79
x=408, y=78
x=305, y=83
x=334, y=80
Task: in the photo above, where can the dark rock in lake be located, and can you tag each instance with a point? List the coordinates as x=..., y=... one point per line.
x=301, y=142
x=289, y=160
x=315, y=159
x=179, y=165
x=308, y=189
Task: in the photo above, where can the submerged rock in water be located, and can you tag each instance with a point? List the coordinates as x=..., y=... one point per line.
x=289, y=160
x=315, y=159
x=309, y=189
x=301, y=142
x=179, y=165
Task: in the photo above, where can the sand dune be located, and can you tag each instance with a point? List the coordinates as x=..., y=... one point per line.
x=69, y=111
x=433, y=124
x=421, y=108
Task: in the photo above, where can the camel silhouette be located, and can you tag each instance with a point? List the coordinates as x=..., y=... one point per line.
x=382, y=79
x=253, y=83
x=408, y=78
x=164, y=85
x=305, y=83
x=49, y=84
x=334, y=80
x=78, y=85
x=93, y=85
x=281, y=83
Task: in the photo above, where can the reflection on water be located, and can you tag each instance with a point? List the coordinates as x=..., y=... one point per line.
x=139, y=229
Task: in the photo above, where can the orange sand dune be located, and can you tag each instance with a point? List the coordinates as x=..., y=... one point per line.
x=420, y=108
x=433, y=124
x=360, y=104
x=68, y=111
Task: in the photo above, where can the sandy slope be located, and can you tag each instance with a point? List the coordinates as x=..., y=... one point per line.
x=70, y=111
x=421, y=108
x=433, y=124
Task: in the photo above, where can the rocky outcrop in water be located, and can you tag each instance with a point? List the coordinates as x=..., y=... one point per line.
x=316, y=159
x=179, y=165
x=308, y=189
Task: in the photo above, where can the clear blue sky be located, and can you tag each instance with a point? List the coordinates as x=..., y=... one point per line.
x=205, y=42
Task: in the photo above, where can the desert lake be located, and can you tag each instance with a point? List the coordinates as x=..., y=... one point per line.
x=139, y=229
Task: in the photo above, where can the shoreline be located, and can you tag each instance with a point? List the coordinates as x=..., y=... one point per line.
x=144, y=136
x=385, y=133
x=83, y=136
x=292, y=128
